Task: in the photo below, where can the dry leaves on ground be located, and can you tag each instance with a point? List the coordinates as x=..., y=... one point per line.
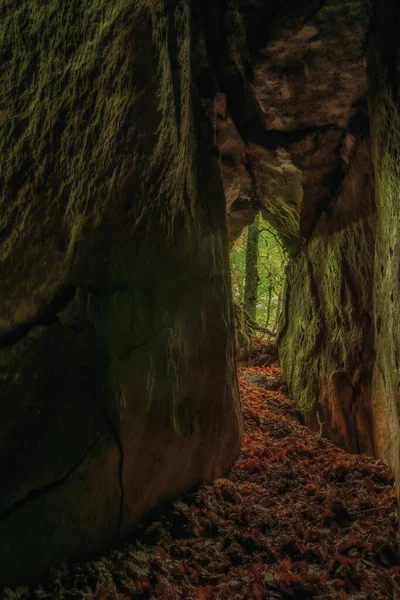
x=296, y=518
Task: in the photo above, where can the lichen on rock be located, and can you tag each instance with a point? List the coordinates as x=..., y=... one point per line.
x=114, y=274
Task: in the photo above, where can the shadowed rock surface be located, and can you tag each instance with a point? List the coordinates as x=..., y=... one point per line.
x=117, y=377
x=302, y=84
x=118, y=385
x=293, y=132
x=384, y=61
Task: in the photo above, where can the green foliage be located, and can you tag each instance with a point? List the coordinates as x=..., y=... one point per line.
x=20, y=593
x=272, y=260
x=251, y=274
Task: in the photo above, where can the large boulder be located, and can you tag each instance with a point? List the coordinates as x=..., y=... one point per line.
x=297, y=85
x=384, y=61
x=117, y=374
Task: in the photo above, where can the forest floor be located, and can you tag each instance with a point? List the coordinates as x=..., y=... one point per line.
x=296, y=518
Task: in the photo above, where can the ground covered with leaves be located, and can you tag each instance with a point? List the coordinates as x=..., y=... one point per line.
x=296, y=518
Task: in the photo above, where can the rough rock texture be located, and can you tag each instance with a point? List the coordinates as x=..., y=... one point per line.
x=296, y=89
x=306, y=43
x=327, y=335
x=255, y=178
x=293, y=79
x=292, y=126
x=117, y=378
x=384, y=63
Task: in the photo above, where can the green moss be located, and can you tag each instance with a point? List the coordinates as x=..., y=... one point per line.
x=383, y=62
x=297, y=348
x=73, y=84
x=329, y=295
x=278, y=189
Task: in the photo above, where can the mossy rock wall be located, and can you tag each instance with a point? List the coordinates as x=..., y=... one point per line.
x=384, y=70
x=340, y=335
x=117, y=375
x=327, y=334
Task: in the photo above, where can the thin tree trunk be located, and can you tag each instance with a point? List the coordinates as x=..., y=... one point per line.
x=269, y=306
x=251, y=277
x=278, y=311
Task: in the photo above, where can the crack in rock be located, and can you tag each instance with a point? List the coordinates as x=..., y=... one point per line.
x=47, y=316
x=115, y=433
x=4, y=514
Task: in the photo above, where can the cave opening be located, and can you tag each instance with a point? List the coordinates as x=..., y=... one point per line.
x=258, y=260
x=258, y=267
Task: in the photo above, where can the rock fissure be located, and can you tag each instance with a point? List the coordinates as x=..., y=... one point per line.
x=34, y=494
x=114, y=430
x=46, y=317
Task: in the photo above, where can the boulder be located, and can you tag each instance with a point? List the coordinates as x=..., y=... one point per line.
x=117, y=376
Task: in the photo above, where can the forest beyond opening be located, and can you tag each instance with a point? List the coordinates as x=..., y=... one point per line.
x=258, y=266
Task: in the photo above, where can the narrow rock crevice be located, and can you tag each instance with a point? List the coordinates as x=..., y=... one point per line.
x=46, y=317
x=62, y=298
x=8, y=512
x=113, y=428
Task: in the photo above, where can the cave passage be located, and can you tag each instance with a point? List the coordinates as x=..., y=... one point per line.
x=141, y=141
x=295, y=518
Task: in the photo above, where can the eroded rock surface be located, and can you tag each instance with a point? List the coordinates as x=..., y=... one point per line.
x=293, y=132
x=293, y=86
x=117, y=372
x=118, y=386
x=384, y=60
x=326, y=342
x=296, y=93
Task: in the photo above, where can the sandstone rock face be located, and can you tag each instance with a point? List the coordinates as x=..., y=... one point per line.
x=340, y=339
x=384, y=60
x=297, y=89
x=306, y=43
x=295, y=79
x=255, y=178
x=117, y=375
x=296, y=107
x=327, y=336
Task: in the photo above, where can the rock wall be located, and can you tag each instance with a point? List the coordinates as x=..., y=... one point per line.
x=384, y=63
x=291, y=123
x=290, y=111
x=340, y=337
x=326, y=341
x=117, y=376
x=294, y=80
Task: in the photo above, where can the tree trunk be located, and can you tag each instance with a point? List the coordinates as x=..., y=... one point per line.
x=251, y=277
x=269, y=306
x=278, y=311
